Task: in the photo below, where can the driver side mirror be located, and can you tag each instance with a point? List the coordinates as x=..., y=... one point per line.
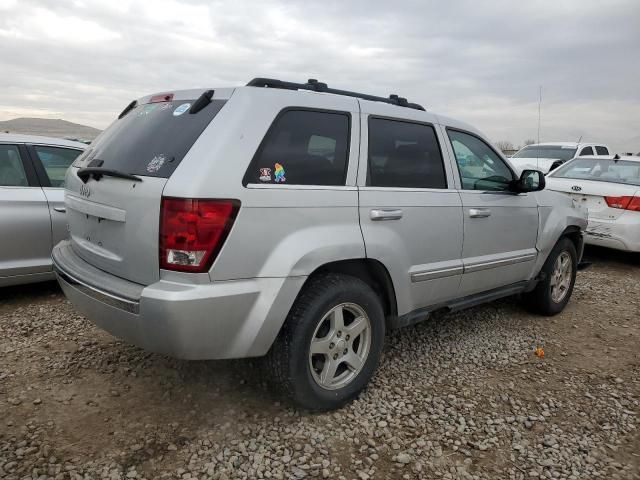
x=529, y=181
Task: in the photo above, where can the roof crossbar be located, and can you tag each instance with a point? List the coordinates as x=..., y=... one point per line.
x=316, y=86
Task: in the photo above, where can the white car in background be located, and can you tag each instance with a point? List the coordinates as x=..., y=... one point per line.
x=609, y=187
x=549, y=156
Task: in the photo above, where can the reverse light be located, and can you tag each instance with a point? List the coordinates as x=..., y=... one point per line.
x=192, y=232
x=625, y=203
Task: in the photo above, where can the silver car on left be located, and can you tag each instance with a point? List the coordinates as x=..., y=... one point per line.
x=32, y=211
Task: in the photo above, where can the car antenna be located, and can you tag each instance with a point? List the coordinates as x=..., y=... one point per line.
x=579, y=139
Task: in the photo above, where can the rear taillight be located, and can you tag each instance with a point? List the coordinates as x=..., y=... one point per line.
x=192, y=232
x=624, y=203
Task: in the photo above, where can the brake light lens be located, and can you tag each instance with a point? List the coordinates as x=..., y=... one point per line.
x=163, y=97
x=192, y=232
x=624, y=203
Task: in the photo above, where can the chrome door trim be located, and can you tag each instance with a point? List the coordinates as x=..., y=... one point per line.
x=436, y=273
x=503, y=262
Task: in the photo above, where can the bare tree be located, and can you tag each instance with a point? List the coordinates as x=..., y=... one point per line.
x=505, y=145
x=529, y=141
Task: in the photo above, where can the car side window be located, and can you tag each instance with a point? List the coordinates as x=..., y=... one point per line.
x=404, y=154
x=12, y=172
x=480, y=167
x=586, y=151
x=303, y=147
x=602, y=150
x=56, y=161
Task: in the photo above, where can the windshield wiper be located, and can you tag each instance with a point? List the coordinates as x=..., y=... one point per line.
x=97, y=173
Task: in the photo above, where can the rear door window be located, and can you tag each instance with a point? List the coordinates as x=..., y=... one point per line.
x=12, y=172
x=152, y=139
x=303, y=147
x=403, y=154
x=586, y=151
x=602, y=150
x=55, y=161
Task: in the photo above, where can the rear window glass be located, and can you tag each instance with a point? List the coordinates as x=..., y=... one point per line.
x=603, y=170
x=602, y=151
x=546, y=151
x=303, y=147
x=152, y=139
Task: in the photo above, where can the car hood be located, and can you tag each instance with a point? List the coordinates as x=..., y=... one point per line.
x=524, y=163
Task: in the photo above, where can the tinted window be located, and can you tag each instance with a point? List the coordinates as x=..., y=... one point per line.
x=586, y=151
x=602, y=151
x=480, y=167
x=546, y=151
x=403, y=154
x=55, y=161
x=11, y=169
x=151, y=139
x=303, y=148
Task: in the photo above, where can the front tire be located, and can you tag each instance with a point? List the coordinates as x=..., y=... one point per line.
x=330, y=344
x=553, y=292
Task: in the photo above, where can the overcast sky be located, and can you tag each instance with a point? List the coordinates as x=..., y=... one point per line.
x=479, y=61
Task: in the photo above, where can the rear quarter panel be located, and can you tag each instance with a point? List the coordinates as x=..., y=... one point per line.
x=556, y=213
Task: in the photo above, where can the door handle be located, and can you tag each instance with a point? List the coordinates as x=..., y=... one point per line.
x=60, y=209
x=378, y=214
x=479, y=212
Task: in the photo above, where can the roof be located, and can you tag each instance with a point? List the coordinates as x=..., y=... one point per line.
x=36, y=139
x=563, y=144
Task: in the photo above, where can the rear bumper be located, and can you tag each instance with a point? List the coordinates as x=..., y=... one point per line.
x=230, y=319
x=620, y=234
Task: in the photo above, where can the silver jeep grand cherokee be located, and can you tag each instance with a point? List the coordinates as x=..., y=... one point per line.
x=301, y=223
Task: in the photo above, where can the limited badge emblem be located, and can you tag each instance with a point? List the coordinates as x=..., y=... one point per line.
x=265, y=174
x=181, y=109
x=155, y=164
x=576, y=188
x=279, y=173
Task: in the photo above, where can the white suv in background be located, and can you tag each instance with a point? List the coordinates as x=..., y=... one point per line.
x=548, y=156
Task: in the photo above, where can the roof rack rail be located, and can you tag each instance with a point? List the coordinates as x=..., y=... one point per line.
x=316, y=86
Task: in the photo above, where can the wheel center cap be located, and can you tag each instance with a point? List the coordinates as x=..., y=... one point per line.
x=341, y=345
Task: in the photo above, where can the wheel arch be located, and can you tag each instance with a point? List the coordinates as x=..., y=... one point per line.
x=370, y=271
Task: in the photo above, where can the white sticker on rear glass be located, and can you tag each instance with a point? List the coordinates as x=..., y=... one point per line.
x=155, y=164
x=181, y=109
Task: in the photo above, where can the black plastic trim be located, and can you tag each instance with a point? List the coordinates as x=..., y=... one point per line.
x=316, y=86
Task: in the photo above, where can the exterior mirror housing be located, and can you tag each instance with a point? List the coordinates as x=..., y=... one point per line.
x=529, y=181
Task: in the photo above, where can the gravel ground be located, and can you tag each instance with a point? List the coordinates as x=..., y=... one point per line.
x=462, y=396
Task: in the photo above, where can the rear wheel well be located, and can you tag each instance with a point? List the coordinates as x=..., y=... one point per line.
x=370, y=271
x=573, y=233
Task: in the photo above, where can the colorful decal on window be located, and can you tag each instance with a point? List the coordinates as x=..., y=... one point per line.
x=181, y=109
x=279, y=173
x=156, y=163
x=265, y=174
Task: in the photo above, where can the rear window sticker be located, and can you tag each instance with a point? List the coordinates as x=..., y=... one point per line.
x=279, y=173
x=181, y=109
x=147, y=109
x=156, y=163
x=265, y=174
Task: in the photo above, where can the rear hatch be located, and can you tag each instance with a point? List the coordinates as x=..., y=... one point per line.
x=591, y=194
x=113, y=217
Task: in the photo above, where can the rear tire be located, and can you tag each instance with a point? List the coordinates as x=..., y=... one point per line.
x=330, y=344
x=553, y=292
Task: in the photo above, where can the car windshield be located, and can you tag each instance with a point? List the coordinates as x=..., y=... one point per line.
x=546, y=151
x=602, y=170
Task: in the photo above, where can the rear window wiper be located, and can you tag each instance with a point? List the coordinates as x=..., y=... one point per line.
x=97, y=173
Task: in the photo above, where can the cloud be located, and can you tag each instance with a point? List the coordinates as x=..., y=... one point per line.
x=83, y=60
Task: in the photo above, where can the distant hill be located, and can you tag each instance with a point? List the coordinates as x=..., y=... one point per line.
x=49, y=127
